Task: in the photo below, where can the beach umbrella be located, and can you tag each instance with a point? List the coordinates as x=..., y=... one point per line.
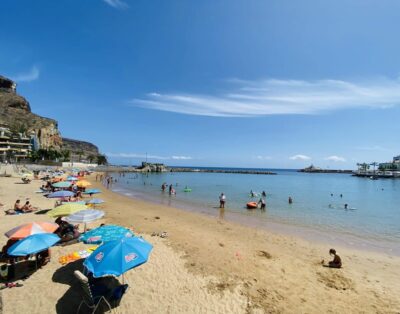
x=83, y=183
x=77, y=202
x=66, y=209
x=28, y=229
x=62, y=184
x=60, y=194
x=33, y=244
x=105, y=233
x=92, y=191
x=95, y=201
x=85, y=216
x=71, y=178
x=118, y=256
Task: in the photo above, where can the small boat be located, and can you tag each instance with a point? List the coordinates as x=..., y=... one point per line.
x=251, y=205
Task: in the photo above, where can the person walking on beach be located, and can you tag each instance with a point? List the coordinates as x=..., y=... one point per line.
x=335, y=263
x=222, y=200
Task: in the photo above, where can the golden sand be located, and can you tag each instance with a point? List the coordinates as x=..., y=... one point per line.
x=208, y=265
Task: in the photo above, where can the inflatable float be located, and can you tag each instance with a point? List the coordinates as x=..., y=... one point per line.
x=251, y=205
x=187, y=190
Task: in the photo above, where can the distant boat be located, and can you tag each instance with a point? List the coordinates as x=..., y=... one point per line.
x=373, y=177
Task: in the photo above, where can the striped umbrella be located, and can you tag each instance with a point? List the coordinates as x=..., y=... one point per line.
x=28, y=229
x=85, y=216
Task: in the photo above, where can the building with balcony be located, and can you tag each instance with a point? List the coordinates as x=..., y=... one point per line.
x=14, y=146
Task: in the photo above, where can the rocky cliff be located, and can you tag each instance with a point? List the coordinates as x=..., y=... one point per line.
x=80, y=149
x=16, y=114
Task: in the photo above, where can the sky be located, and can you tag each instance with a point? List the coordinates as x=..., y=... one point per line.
x=265, y=84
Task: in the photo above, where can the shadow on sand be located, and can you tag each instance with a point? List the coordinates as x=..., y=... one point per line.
x=70, y=301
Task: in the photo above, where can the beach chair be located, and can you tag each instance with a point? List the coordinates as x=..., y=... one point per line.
x=93, y=294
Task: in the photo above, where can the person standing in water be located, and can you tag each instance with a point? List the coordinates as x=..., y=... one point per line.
x=222, y=200
x=264, y=194
x=290, y=200
x=262, y=202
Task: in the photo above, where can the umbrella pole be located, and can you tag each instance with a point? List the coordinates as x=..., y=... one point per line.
x=84, y=227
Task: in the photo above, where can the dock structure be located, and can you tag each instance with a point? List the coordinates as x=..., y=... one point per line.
x=237, y=171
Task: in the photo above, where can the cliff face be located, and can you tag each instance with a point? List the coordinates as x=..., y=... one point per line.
x=15, y=113
x=80, y=149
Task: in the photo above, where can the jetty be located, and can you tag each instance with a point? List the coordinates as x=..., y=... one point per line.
x=210, y=170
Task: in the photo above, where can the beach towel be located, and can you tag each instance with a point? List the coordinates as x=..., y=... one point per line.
x=74, y=256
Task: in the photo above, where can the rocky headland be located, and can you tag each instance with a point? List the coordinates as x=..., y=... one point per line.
x=16, y=114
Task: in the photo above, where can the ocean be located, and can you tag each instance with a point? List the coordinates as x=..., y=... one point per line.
x=372, y=220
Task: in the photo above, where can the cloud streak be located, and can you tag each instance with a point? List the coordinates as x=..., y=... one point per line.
x=300, y=157
x=30, y=76
x=117, y=4
x=272, y=97
x=144, y=156
x=335, y=158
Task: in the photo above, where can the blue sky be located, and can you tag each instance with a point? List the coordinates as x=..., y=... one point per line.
x=213, y=83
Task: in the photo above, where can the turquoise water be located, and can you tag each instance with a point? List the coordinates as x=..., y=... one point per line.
x=374, y=220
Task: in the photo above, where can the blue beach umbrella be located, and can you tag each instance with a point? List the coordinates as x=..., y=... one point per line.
x=62, y=184
x=117, y=257
x=33, y=244
x=60, y=194
x=95, y=201
x=105, y=233
x=70, y=178
x=92, y=191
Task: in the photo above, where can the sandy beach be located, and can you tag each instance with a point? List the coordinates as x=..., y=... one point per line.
x=207, y=265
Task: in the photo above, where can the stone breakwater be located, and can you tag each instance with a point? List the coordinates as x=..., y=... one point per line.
x=238, y=171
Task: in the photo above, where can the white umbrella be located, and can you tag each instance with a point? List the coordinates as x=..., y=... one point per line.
x=85, y=216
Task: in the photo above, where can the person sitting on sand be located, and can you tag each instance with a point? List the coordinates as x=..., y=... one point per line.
x=18, y=207
x=27, y=208
x=336, y=262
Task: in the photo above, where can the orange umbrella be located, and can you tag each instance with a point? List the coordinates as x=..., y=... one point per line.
x=83, y=184
x=28, y=229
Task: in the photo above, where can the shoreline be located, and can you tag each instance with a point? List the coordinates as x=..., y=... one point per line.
x=285, y=228
x=211, y=265
x=193, y=232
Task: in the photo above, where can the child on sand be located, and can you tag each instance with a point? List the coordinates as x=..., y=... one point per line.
x=335, y=263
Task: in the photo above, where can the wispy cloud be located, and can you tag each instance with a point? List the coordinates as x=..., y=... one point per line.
x=269, y=97
x=117, y=4
x=144, y=156
x=371, y=148
x=181, y=157
x=259, y=157
x=300, y=157
x=30, y=76
x=335, y=158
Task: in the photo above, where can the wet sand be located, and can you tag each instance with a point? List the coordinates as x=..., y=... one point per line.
x=209, y=265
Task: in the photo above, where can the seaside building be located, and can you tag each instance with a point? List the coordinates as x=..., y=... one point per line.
x=14, y=146
x=391, y=166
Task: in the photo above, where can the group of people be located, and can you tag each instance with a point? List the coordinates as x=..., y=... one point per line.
x=262, y=201
x=171, y=189
x=21, y=209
